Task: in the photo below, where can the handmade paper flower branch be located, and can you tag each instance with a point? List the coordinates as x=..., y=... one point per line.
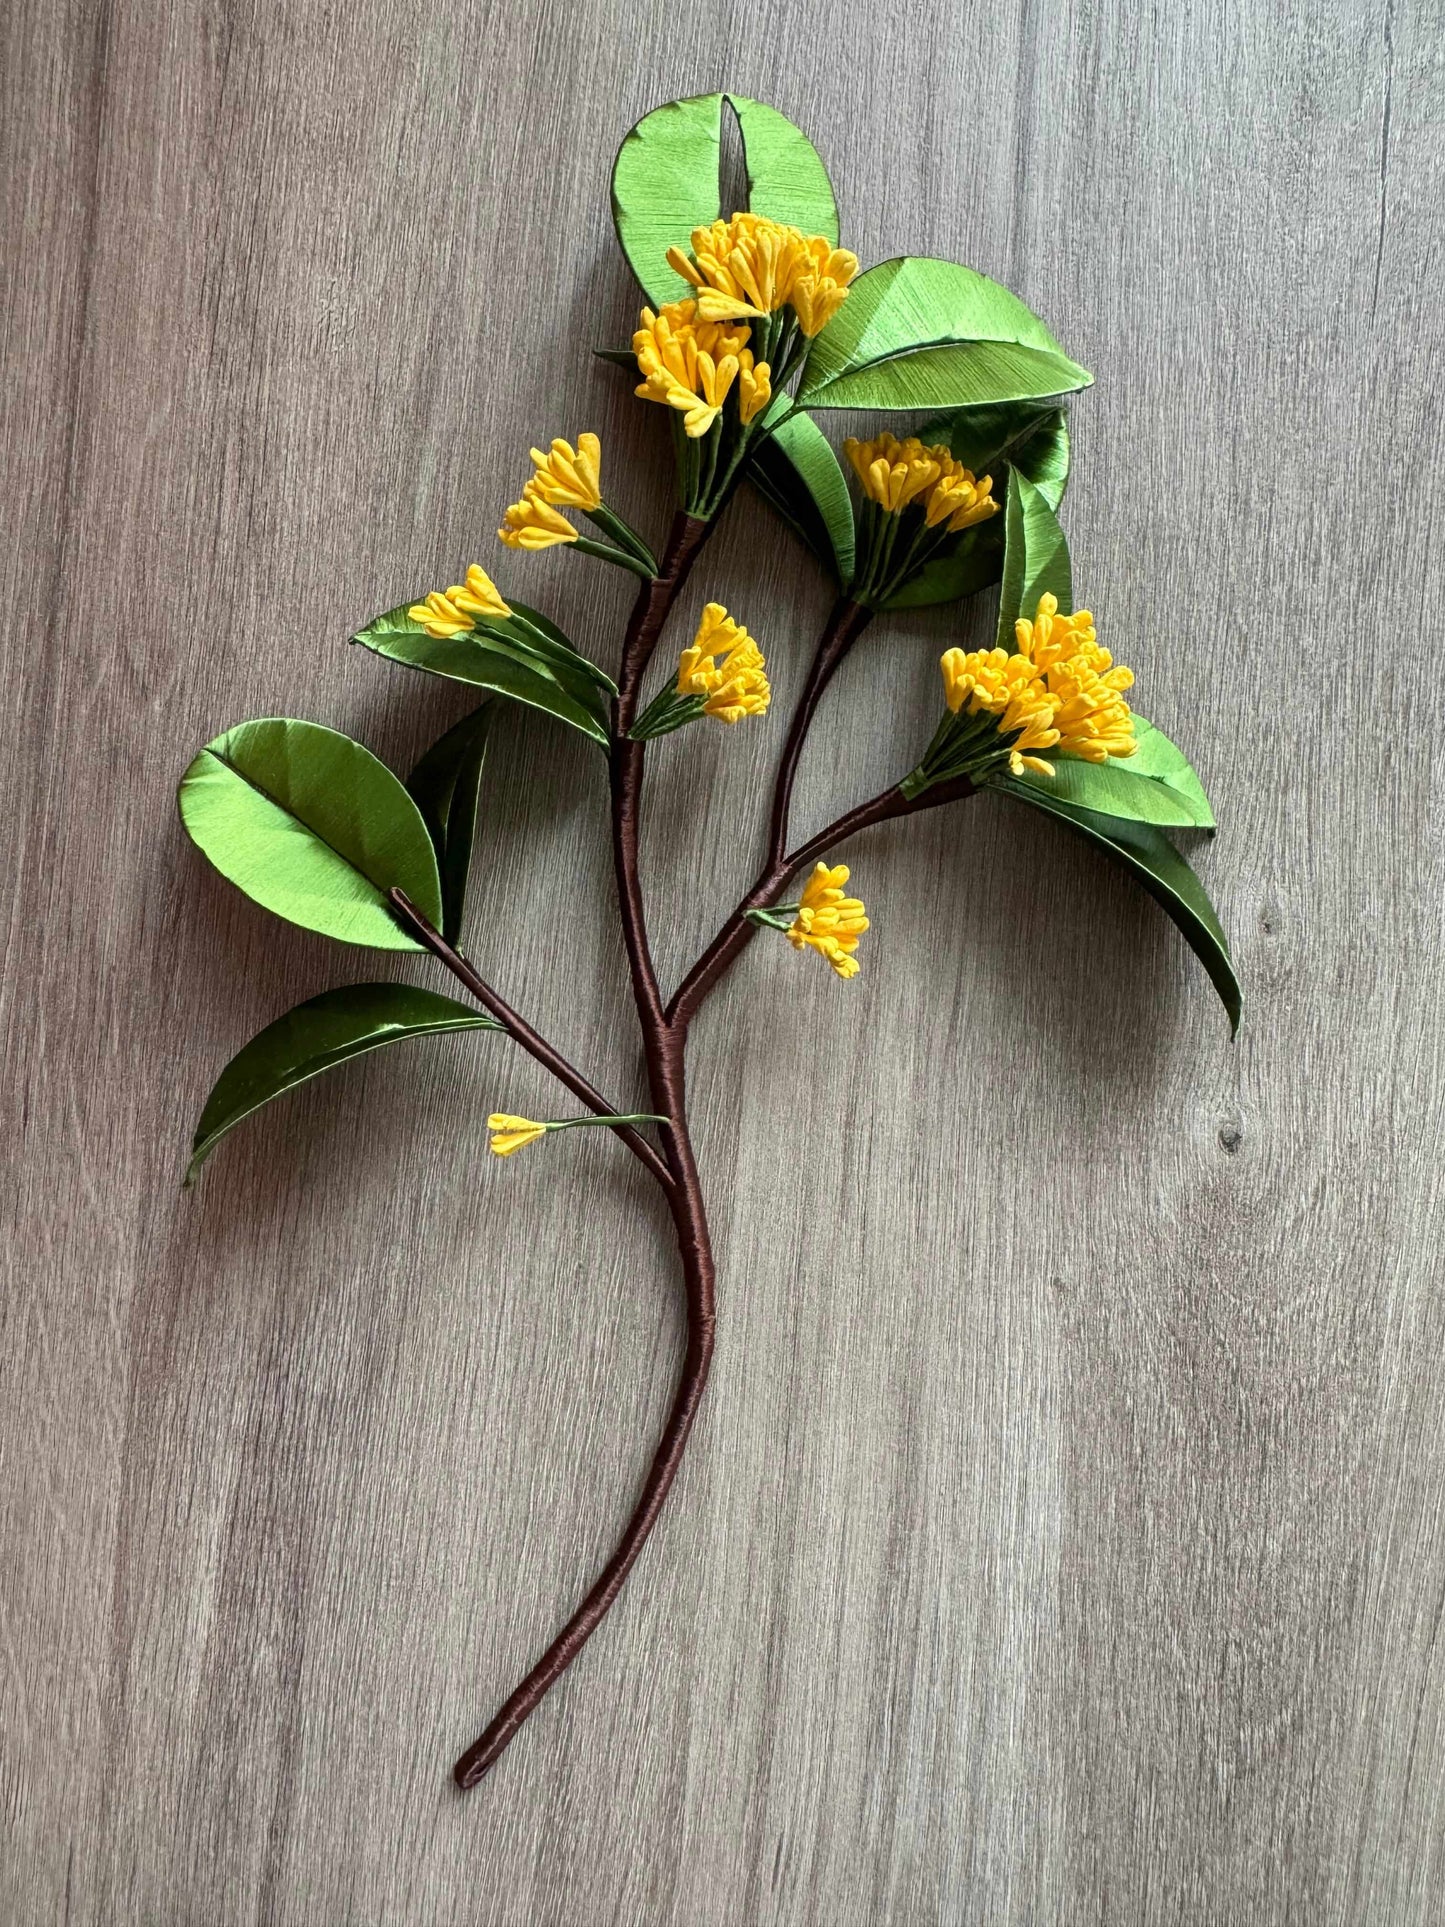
x=755, y=324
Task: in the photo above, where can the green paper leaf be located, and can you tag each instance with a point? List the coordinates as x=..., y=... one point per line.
x=1030, y=436
x=974, y=563
x=498, y=656
x=530, y=629
x=797, y=472
x=1036, y=558
x=787, y=180
x=444, y=786
x=1111, y=789
x=314, y=1037
x=918, y=333
x=1149, y=855
x=665, y=184
x=311, y=826
x=995, y=439
x=1166, y=763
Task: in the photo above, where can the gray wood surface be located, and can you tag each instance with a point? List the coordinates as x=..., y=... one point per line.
x=1061, y=1540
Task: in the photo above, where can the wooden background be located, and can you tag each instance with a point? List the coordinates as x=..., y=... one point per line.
x=1061, y=1540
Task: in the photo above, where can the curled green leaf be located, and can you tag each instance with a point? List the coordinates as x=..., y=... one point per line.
x=522, y=658
x=797, y=472
x=1113, y=789
x=787, y=180
x=445, y=785
x=1036, y=558
x=1164, y=762
x=664, y=184
x=1030, y=436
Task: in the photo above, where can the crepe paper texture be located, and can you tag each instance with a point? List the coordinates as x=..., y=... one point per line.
x=754, y=321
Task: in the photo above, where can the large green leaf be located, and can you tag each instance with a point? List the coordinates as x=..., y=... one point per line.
x=665, y=184
x=796, y=470
x=316, y=1036
x=1149, y=855
x=918, y=333
x=311, y=826
x=993, y=440
x=444, y=786
x=787, y=180
x=1113, y=789
x=1035, y=560
x=496, y=657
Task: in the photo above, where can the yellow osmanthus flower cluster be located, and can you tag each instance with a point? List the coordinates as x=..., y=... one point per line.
x=894, y=474
x=690, y=364
x=451, y=612
x=565, y=477
x=829, y=922
x=511, y=1134
x=1058, y=690
x=724, y=665
x=753, y=266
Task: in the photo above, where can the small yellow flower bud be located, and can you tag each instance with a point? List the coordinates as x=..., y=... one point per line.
x=755, y=388
x=452, y=613
x=510, y=1134
x=479, y=595
x=440, y=616
x=534, y=524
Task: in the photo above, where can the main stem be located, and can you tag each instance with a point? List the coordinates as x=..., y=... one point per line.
x=663, y=1045
x=664, y=1041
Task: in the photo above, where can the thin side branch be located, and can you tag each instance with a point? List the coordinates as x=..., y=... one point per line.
x=531, y=1041
x=737, y=933
x=845, y=625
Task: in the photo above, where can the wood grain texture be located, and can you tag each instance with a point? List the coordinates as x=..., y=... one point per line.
x=1062, y=1535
